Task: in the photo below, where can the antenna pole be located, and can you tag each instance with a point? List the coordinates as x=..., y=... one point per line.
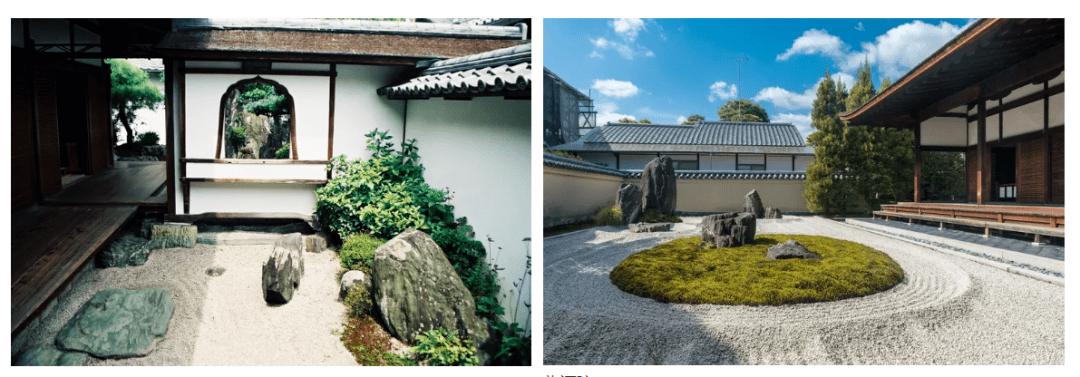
x=738, y=100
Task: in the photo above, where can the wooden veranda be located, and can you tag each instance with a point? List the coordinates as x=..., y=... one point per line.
x=1045, y=220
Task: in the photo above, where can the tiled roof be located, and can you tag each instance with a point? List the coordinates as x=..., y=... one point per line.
x=731, y=174
x=702, y=133
x=149, y=65
x=499, y=72
x=588, y=167
x=354, y=26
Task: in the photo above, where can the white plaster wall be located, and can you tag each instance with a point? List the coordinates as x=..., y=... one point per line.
x=801, y=162
x=1023, y=119
x=358, y=109
x=1057, y=110
x=973, y=133
x=480, y=150
x=635, y=161
x=778, y=162
x=718, y=162
x=943, y=131
x=256, y=171
x=751, y=159
x=252, y=197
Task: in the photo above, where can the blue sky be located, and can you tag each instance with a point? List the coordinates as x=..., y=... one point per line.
x=667, y=69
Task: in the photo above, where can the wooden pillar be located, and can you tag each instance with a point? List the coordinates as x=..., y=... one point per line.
x=617, y=162
x=170, y=139
x=1047, y=170
x=982, y=176
x=918, y=162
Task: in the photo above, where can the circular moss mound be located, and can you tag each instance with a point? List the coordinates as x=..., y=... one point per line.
x=682, y=271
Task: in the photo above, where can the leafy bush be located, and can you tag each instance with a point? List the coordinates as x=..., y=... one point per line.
x=438, y=347
x=282, y=152
x=358, y=301
x=609, y=216
x=148, y=138
x=358, y=252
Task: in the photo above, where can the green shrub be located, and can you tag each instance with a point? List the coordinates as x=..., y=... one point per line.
x=358, y=252
x=148, y=138
x=283, y=152
x=650, y=216
x=439, y=347
x=358, y=301
x=369, y=343
x=608, y=216
x=684, y=271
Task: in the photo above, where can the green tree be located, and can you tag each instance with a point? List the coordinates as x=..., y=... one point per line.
x=750, y=112
x=884, y=84
x=131, y=91
x=943, y=175
x=693, y=119
x=628, y=120
x=827, y=186
x=863, y=88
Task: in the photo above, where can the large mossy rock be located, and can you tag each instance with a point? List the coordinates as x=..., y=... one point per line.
x=658, y=186
x=127, y=250
x=48, y=355
x=416, y=290
x=282, y=271
x=118, y=323
x=753, y=204
x=728, y=229
x=628, y=198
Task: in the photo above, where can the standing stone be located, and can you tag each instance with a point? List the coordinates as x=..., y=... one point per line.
x=118, y=322
x=658, y=186
x=415, y=289
x=628, y=198
x=773, y=213
x=753, y=204
x=315, y=243
x=127, y=250
x=352, y=278
x=282, y=272
x=728, y=229
x=788, y=250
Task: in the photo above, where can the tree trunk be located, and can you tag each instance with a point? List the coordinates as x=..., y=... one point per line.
x=122, y=114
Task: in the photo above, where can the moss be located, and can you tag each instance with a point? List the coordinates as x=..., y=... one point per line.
x=358, y=252
x=358, y=301
x=608, y=216
x=682, y=271
x=369, y=343
x=650, y=216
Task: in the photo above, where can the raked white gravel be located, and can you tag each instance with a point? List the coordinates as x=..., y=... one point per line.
x=948, y=310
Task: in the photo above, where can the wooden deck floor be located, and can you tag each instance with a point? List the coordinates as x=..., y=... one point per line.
x=1046, y=220
x=138, y=183
x=49, y=244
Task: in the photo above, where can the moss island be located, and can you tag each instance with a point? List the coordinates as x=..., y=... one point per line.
x=683, y=271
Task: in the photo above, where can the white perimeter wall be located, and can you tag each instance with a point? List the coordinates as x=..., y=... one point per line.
x=358, y=110
x=480, y=150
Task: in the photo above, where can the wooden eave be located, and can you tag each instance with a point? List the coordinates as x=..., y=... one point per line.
x=990, y=59
x=323, y=47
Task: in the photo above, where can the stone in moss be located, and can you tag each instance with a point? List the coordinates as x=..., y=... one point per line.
x=48, y=355
x=127, y=250
x=170, y=235
x=118, y=323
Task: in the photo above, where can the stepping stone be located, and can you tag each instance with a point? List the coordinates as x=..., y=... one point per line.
x=128, y=250
x=649, y=227
x=118, y=323
x=169, y=235
x=47, y=355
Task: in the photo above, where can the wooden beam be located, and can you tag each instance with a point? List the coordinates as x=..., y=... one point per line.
x=330, y=136
x=254, y=162
x=242, y=71
x=170, y=139
x=1047, y=170
x=252, y=180
x=918, y=162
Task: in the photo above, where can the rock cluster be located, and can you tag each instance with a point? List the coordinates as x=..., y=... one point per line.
x=282, y=271
x=753, y=204
x=728, y=229
x=773, y=213
x=790, y=249
x=415, y=289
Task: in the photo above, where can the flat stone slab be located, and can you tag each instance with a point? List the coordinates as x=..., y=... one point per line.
x=126, y=251
x=649, y=227
x=47, y=355
x=170, y=235
x=118, y=323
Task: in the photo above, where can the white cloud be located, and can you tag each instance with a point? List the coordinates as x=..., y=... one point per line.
x=625, y=50
x=892, y=53
x=721, y=90
x=595, y=54
x=658, y=116
x=860, y=27
x=601, y=43
x=615, y=88
x=605, y=113
x=816, y=41
x=628, y=28
x=649, y=53
x=801, y=122
x=789, y=100
x=680, y=119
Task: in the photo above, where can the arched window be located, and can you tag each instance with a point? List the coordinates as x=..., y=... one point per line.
x=256, y=121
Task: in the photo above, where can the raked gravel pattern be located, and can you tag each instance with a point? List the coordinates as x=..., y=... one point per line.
x=947, y=310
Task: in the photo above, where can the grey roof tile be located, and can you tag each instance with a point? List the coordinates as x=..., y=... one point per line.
x=359, y=26
x=702, y=133
x=588, y=167
x=499, y=71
